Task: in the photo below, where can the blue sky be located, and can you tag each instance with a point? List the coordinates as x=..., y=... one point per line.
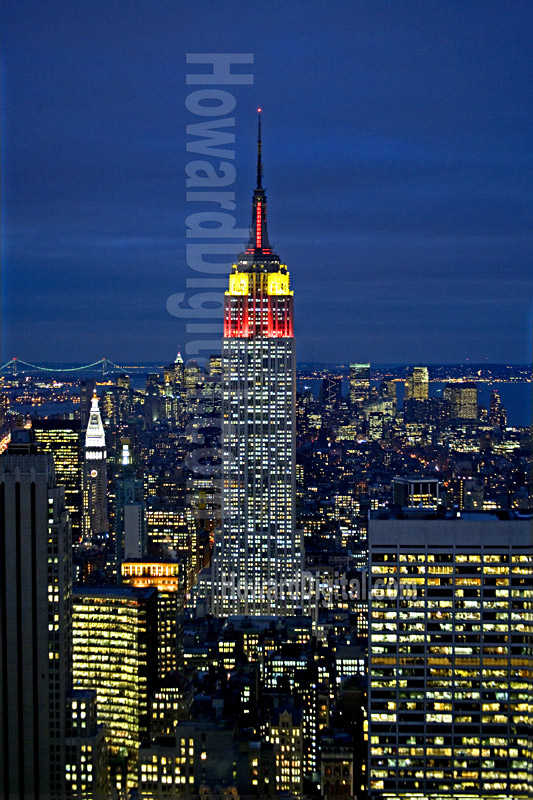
x=398, y=160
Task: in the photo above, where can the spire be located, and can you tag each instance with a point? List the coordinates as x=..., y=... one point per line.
x=259, y=161
x=259, y=244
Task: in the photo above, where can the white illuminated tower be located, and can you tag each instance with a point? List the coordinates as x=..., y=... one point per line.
x=95, y=521
x=258, y=550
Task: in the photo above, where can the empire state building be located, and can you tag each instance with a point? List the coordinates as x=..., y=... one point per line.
x=257, y=559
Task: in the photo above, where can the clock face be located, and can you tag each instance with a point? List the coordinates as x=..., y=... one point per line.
x=94, y=473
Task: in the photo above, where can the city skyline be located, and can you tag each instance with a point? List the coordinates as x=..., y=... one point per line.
x=397, y=151
x=280, y=545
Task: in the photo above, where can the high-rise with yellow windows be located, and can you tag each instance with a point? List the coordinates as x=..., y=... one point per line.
x=115, y=653
x=450, y=658
x=62, y=438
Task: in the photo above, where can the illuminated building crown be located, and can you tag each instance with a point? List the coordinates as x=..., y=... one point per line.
x=95, y=436
x=259, y=301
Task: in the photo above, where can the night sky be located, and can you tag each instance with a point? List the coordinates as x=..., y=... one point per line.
x=398, y=157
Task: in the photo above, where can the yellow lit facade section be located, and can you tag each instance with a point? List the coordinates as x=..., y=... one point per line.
x=450, y=659
x=114, y=653
x=62, y=440
x=273, y=283
x=168, y=578
x=238, y=284
x=278, y=283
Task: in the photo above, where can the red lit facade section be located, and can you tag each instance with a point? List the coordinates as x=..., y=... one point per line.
x=258, y=314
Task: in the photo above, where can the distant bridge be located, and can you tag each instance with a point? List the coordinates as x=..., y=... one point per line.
x=104, y=363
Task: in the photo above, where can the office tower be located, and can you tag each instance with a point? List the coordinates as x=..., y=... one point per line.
x=258, y=545
x=151, y=398
x=359, y=386
x=130, y=509
x=417, y=384
x=116, y=403
x=62, y=438
x=115, y=653
x=331, y=392
x=193, y=379
x=168, y=380
x=179, y=369
x=461, y=400
x=215, y=364
x=450, y=658
x=47, y=750
x=387, y=390
x=35, y=597
x=375, y=425
x=87, y=389
x=168, y=577
x=173, y=391
x=416, y=405
x=497, y=412
x=94, y=520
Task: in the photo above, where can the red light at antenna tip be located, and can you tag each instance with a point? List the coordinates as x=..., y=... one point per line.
x=259, y=110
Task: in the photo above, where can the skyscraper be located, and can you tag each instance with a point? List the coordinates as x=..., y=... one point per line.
x=331, y=391
x=497, y=412
x=359, y=385
x=35, y=612
x=461, y=400
x=258, y=546
x=417, y=384
x=62, y=438
x=95, y=521
x=130, y=510
x=115, y=653
x=450, y=659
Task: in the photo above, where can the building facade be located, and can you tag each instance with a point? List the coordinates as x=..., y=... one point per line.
x=417, y=384
x=359, y=386
x=450, y=658
x=62, y=438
